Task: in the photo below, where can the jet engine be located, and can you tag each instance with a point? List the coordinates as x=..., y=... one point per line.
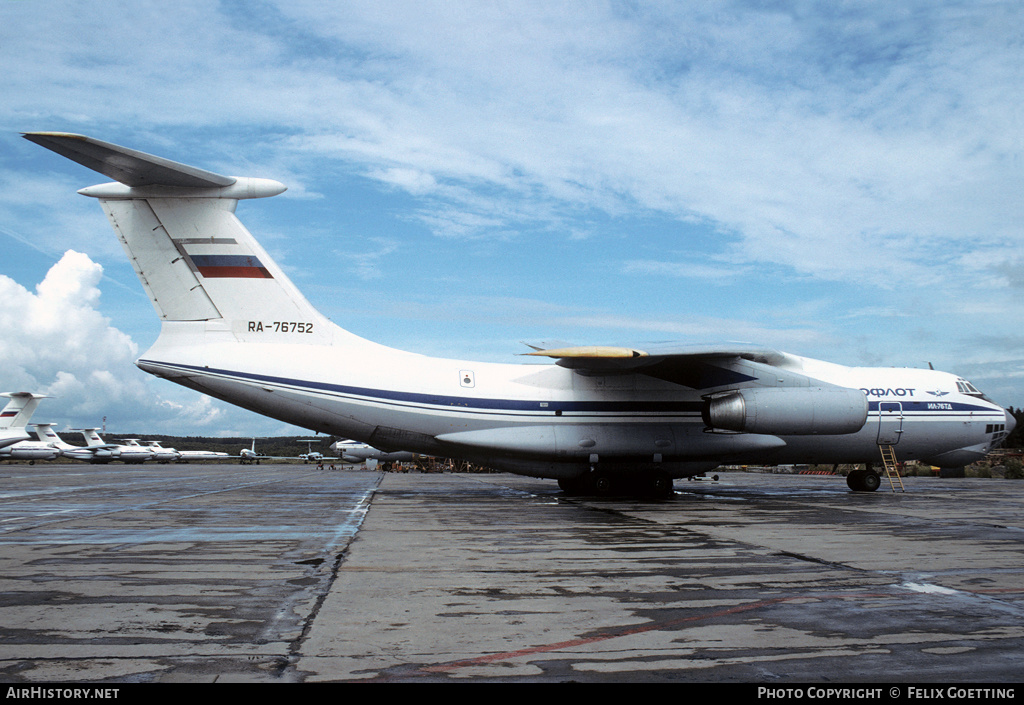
x=801, y=411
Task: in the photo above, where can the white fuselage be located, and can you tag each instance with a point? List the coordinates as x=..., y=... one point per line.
x=550, y=421
x=29, y=450
x=161, y=454
x=235, y=327
x=185, y=456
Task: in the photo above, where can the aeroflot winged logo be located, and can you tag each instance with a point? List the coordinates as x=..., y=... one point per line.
x=231, y=266
x=938, y=393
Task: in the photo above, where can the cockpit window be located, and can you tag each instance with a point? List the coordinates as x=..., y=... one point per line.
x=965, y=387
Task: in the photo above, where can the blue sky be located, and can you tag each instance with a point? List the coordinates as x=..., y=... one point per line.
x=838, y=180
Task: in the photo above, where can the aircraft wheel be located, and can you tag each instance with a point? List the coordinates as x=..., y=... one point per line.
x=657, y=484
x=870, y=482
x=602, y=484
x=573, y=486
x=863, y=481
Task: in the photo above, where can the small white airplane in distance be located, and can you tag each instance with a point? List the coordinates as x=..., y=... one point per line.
x=96, y=450
x=91, y=452
x=31, y=450
x=134, y=452
x=161, y=454
x=236, y=328
x=188, y=456
x=355, y=452
x=249, y=455
x=15, y=415
x=192, y=455
x=312, y=456
x=46, y=434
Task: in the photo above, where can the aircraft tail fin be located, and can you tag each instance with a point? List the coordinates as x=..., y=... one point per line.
x=19, y=409
x=91, y=437
x=195, y=259
x=46, y=434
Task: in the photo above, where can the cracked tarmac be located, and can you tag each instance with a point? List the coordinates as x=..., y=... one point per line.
x=281, y=573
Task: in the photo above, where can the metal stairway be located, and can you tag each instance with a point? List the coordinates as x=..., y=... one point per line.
x=891, y=469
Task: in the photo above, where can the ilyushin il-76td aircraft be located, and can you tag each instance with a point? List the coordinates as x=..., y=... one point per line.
x=598, y=419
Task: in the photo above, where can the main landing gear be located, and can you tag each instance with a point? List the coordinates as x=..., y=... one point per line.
x=650, y=484
x=863, y=480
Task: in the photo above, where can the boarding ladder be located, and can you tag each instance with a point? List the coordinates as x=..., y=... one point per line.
x=891, y=470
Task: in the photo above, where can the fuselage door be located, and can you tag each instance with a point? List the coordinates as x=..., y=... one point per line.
x=890, y=422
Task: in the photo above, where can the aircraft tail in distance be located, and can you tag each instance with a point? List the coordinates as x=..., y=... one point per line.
x=15, y=415
x=46, y=434
x=92, y=438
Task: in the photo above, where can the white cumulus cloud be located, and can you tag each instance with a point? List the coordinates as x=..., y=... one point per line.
x=55, y=341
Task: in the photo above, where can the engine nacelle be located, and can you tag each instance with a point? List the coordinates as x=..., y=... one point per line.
x=790, y=411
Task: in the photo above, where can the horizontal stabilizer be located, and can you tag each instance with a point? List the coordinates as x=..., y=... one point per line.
x=128, y=166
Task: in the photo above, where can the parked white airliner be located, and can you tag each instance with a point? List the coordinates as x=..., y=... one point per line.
x=249, y=455
x=47, y=435
x=32, y=450
x=161, y=454
x=187, y=456
x=355, y=452
x=96, y=453
x=97, y=450
x=236, y=328
x=173, y=455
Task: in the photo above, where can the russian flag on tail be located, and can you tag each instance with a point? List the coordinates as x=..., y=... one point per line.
x=231, y=266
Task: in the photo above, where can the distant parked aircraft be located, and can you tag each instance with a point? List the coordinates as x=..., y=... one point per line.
x=97, y=450
x=355, y=452
x=185, y=456
x=31, y=450
x=161, y=454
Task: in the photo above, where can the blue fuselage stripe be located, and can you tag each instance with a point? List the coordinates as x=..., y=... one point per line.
x=930, y=407
x=469, y=404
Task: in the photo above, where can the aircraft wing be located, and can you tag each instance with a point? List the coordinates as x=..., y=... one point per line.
x=128, y=166
x=749, y=351
x=690, y=365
